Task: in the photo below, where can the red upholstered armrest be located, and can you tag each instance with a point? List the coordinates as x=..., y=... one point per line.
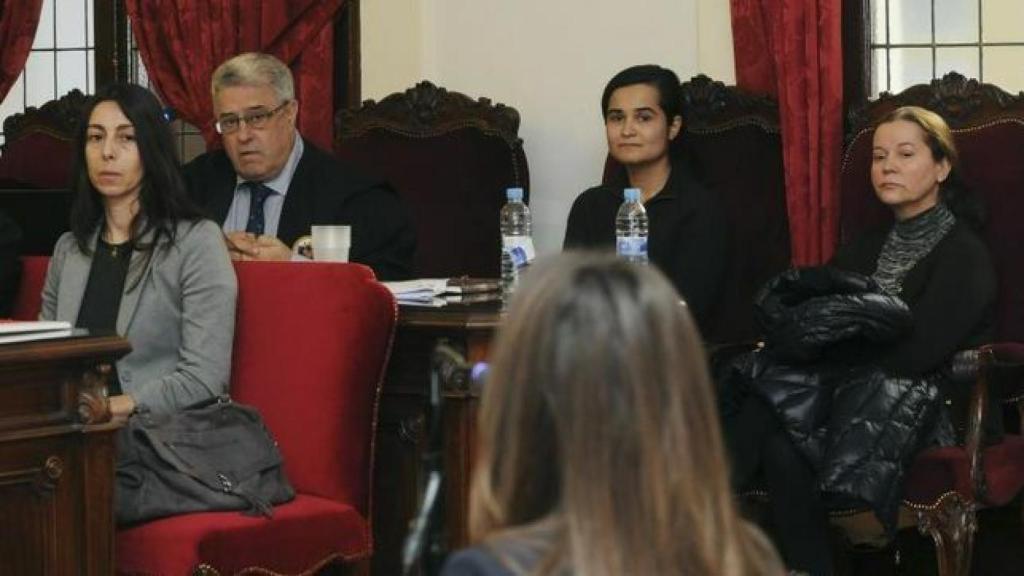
x=29, y=299
x=311, y=344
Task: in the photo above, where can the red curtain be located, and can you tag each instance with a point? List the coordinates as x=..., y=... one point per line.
x=183, y=41
x=18, y=21
x=792, y=49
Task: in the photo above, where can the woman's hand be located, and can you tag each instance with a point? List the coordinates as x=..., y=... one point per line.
x=121, y=406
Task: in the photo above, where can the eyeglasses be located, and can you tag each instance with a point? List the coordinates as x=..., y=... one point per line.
x=255, y=120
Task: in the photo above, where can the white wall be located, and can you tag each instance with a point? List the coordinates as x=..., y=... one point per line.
x=391, y=33
x=549, y=59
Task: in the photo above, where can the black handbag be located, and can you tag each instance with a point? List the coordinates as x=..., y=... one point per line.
x=216, y=455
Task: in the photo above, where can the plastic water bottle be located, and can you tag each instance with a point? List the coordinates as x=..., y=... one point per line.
x=631, y=228
x=516, y=242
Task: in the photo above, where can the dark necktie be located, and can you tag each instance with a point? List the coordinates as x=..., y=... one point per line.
x=258, y=194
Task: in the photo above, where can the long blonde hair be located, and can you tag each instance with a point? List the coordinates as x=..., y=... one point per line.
x=599, y=438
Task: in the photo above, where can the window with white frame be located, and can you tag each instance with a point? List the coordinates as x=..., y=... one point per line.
x=914, y=41
x=67, y=43
x=62, y=57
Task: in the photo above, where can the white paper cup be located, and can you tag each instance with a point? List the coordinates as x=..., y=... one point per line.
x=331, y=243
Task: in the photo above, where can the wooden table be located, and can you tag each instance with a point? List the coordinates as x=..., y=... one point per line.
x=401, y=431
x=57, y=456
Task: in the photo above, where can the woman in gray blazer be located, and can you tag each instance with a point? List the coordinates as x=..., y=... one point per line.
x=140, y=261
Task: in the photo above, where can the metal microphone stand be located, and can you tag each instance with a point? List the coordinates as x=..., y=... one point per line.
x=424, y=545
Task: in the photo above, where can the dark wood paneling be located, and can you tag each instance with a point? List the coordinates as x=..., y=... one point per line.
x=57, y=457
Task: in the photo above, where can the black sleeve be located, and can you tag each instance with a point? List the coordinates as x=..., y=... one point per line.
x=10, y=268
x=861, y=254
x=958, y=298
x=576, y=226
x=702, y=256
x=384, y=236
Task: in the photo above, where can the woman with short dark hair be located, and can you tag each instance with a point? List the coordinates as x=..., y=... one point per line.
x=140, y=261
x=688, y=228
x=599, y=447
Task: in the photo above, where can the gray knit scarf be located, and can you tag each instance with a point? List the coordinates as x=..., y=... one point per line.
x=908, y=242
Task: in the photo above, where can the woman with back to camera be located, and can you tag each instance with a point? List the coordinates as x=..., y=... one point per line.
x=599, y=448
x=688, y=228
x=933, y=268
x=140, y=261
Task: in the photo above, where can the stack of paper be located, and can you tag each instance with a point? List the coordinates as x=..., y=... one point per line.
x=423, y=291
x=439, y=291
x=29, y=331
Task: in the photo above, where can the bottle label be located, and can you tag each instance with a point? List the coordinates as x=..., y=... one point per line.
x=631, y=246
x=520, y=248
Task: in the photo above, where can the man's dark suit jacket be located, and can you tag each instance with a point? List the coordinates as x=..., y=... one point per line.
x=324, y=190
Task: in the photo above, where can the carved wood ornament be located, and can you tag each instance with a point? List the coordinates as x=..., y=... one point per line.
x=963, y=102
x=710, y=106
x=427, y=110
x=93, y=404
x=951, y=525
x=58, y=118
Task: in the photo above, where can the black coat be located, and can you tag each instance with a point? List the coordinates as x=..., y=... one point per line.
x=323, y=190
x=856, y=423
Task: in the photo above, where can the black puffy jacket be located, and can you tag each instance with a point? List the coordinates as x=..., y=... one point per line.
x=859, y=426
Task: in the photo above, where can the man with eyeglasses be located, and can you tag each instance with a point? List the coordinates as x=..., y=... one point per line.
x=268, y=186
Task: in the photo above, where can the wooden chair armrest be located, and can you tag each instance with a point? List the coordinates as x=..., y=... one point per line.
x=1008, y=359
x=984, y=359
x=1000, y=371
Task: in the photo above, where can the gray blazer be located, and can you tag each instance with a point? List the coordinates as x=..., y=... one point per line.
x=178, y=312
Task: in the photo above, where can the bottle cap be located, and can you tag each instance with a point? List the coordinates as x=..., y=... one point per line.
x=514, y=194
x=631, y=194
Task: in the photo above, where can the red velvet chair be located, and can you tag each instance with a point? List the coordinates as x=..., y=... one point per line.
x=311, y=345
x=451, y=158
x=946, y=486
x=732, y=142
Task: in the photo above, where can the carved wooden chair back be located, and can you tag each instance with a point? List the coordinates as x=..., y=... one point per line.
x=37, y=150
x=731, y=140
x=451, y=158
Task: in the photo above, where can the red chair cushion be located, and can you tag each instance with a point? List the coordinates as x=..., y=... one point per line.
x=303, y=534
x=939, y=470
x=30, y=289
